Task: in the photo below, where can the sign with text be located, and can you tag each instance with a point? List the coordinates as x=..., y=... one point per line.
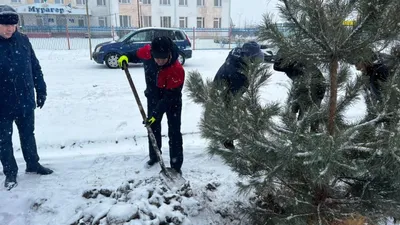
x=46, y=10
x=50, y=9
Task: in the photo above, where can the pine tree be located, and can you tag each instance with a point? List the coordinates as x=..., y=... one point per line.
x=348, y=170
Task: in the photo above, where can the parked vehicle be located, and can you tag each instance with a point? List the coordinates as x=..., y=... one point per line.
x=269, y=52
x=109, y=52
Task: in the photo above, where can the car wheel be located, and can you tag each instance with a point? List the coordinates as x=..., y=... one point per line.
x=181, y=58
x=112, y=60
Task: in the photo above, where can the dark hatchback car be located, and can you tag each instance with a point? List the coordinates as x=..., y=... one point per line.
x=109, y=52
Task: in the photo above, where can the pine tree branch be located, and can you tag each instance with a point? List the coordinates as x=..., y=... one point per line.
x=364, y=188
x=311, y=162
x=299, y=215
x=242, y=156
x=356, y=148
x=322, y=33
x=319, y=214
x=247, y=137
x=358, y=29
x=280, y=130
x=346, y=166
x=303, y=29
x=294, y=189
x=345, y=201
x=304, y=154
x=350, y=178
x=323, y=172
x=378, y=119
x=392, y=151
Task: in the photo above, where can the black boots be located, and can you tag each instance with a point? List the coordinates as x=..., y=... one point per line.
x=151, y=162
x=39, y=169
x=10, y=182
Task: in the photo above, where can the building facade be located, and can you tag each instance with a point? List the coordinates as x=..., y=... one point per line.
x=124, y=13
x=102, y=13
x=186, y=13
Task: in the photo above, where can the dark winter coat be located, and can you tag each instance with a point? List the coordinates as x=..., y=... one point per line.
x=20, y=74
x=389, y=60
x=377, y=73
x=164, y=83
x=230, y=73
x=296, y=72
x=151, y=70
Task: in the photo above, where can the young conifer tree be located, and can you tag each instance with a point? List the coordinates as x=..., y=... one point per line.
x=349, y=169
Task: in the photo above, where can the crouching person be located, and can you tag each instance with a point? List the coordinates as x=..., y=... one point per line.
x=302, y=96
x=230, y=75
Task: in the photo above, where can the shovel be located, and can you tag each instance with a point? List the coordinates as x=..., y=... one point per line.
x=170, y=177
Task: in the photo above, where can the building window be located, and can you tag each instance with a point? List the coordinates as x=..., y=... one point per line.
x=200, y=3
x=81, y=2
x=38, y=1
x=146, y=2
x=125, y=1
x=59, y=1
x=183, y=21
x=165, y=2
x=15, y=1
x=81, y=22
x=101, y=2
x=200, y=22
x=125, y=21
x=217, y=3
x=146, y=21
x=165, y=21
x=217, y=22
x=102, y=21
x=183, y=2
x=39, y=20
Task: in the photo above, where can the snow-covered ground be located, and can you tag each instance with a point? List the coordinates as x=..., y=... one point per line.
x=91, y=133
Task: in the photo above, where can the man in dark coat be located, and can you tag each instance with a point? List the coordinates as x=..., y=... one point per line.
x=20, y=76
x=377, y=72
x=164, y=82
x=391, y=60
x=230, y=74
x=300, y=95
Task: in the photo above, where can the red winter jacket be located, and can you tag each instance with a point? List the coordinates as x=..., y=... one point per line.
x=170, y=80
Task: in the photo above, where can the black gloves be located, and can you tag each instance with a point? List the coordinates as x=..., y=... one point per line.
x=40, y=100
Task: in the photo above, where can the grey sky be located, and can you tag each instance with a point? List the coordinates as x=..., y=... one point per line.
x=251, y=11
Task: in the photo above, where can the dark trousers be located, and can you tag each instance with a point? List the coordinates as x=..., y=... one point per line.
x=26, y=126
x=174, y=133
x=301, y=102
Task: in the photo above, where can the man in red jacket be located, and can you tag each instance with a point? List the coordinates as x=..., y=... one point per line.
x=165, y=77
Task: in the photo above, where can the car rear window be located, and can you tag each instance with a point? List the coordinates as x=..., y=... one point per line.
x=179, y=35
x=175, y=35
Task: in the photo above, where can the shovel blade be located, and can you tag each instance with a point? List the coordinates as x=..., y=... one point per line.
x=172, y=179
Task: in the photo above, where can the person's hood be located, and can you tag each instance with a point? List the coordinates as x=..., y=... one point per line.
x=252, y=50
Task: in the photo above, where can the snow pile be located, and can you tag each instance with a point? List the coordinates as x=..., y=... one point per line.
x=149, y=202
x=138, y=202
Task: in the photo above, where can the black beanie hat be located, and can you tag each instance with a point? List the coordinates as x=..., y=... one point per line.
x=161, y=47
x=8, y=16
x=252, y=49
